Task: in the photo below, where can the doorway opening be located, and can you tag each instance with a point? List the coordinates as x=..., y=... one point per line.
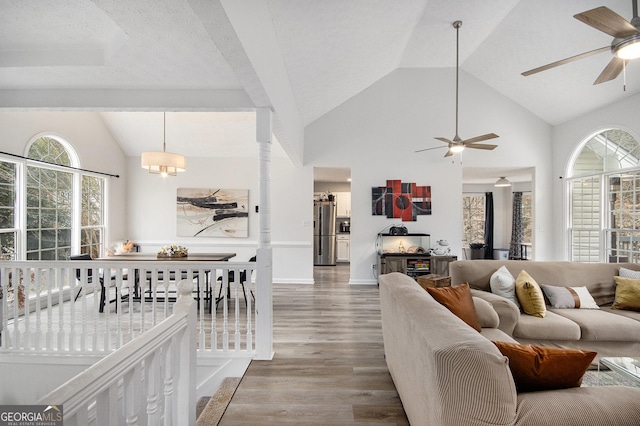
x=508, y=194
x=331, y=218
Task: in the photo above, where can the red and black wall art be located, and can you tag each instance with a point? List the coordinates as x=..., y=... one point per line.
x=400, y=200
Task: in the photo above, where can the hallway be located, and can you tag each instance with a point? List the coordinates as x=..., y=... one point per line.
x=329, y=365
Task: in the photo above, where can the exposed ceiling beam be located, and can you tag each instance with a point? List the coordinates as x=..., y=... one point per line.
x=122, y=100
x=258, y=63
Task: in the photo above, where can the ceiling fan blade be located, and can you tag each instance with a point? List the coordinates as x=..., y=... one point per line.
x=480, y=138
x=429, y=149
x=606, y=20
x=449, y=153
x=482, y=146
x=445, y=140
x=611, y=71
x=567, y=60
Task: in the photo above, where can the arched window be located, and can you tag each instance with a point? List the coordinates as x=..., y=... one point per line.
x=604, y=199
x=63, y=207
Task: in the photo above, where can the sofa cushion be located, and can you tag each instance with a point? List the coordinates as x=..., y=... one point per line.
x=602, y=325
x=497, y=335
x=530, y=295
x=569, y=297
x=504, y=284
x=537, y=368
x=622, y=312
x=597, y=405
x=487, y=316
x=458, y=300
x=551, y=327
x=627, y=294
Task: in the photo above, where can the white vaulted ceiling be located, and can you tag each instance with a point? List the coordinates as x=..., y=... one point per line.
x=302, y=58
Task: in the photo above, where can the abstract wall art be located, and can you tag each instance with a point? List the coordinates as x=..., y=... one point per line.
x=212, y=212
x=399, y=200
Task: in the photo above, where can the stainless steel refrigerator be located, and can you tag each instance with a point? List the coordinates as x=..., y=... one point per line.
x=324, y=233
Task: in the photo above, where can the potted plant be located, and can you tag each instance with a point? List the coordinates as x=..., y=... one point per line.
x=477, y=250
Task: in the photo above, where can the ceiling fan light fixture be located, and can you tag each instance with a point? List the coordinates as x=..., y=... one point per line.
x=163, y=163
x=629, y=48
x=456, y=148
x=502, y=182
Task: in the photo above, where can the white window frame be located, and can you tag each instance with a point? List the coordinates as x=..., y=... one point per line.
x=20, y=200
x=466, y=243
x=603, y=230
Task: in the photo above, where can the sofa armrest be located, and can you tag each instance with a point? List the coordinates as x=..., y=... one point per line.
x=508, y=312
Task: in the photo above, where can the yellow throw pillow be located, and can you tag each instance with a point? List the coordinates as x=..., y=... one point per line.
x=530, y=295
x=627, y=294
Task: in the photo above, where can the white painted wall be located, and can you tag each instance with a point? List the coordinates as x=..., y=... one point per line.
x=566, y=138
x=26, y=379
x=91, y=139
x=376, y=133
x=152, y=210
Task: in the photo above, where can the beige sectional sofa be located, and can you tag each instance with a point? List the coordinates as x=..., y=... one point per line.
x=607, y=331
x=447, y=373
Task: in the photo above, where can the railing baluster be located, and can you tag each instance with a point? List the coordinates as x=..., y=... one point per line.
x=16, y=292
x=225, y=313
x=25, y=307
x=4, y=280
x=249, y=291
x=151, y=378
x=168, y=384
x=236, y=285
x=81, y=293
x=131, y=380
x=203, y=294
x=214, y=307
x=97, y=289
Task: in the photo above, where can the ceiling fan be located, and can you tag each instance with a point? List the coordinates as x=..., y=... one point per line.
x=625, y=45
x=458, y=144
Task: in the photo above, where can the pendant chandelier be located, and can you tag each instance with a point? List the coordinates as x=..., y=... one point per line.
x=164, y=163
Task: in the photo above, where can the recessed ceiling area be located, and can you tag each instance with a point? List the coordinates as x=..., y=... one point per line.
x=332, y=174
x=485, y=176
x=192, y=134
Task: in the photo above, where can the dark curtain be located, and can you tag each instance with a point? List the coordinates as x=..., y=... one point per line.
x=488, y=225
x=517, y=228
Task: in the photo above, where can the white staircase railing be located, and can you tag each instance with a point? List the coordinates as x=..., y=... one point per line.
x=140, y=382
x=56, y=306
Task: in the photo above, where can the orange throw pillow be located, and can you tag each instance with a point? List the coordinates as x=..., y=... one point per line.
x=458, y=300
x=537, y=368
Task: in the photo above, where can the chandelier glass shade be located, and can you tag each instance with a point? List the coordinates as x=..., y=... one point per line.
x=502, y=182
x=164, y=163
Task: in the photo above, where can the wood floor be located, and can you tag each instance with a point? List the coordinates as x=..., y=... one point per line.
x=329, y=365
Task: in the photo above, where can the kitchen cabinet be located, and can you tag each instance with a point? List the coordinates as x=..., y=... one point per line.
x=343, y=204
x=342, y=247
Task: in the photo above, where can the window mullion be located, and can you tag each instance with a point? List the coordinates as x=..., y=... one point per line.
x=76, y=227
x=21, y=211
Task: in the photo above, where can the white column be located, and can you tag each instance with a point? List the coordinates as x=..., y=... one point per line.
x=264, y=272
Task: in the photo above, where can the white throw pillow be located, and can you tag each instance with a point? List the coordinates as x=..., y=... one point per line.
x=504, y=284
x=629, y=273
x=569, y=297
